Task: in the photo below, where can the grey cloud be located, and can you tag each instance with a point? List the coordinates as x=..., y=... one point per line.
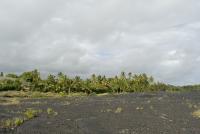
x=160, y=38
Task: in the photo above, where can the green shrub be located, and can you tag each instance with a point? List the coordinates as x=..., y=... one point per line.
x=10, y=123
x=50, y=111
x=31, y=113
x=18, y=121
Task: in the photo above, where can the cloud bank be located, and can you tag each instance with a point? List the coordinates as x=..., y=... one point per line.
x=160, y=38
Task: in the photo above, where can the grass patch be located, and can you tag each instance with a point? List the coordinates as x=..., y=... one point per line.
x=31, y=113
x=104, y=94
x=26, y=115
x=9, y=101
x=12, y=94
x=11, y=123
x=18, y=121
x=65, y=103
x=50, y=111
x=36, y=94
x=118, y=110
x=139, y=108
x=76, y=94
x=37, y=103
x=28, y=94
x=196, y=114
x=106, y=111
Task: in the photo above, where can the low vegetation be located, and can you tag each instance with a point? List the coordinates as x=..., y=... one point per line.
x=9, y=101
x=31, y=113
x=26, y=115
x=50, y=111
x=17, y=121
x=196, y=114
x=118, y=110
x=11, y=123
x=96, y=84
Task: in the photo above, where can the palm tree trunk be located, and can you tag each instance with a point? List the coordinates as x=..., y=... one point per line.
x=69, y=91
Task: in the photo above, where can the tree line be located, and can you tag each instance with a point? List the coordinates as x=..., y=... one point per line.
x=32, y=81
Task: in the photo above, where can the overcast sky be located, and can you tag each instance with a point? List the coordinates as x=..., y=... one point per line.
x=157, y=37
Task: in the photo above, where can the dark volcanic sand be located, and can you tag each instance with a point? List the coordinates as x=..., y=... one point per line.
x=137, y=113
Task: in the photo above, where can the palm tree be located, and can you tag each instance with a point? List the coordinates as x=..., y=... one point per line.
x=129, y=75
x=50, y=83
x=77, y=84
x=1, y=74
x=123, y=75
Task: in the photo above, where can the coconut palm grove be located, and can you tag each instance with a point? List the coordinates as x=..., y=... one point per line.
x=61, y=83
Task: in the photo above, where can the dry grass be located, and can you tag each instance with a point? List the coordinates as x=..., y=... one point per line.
x=11, y=123
x=106, y=110
x=17, y=121
x=50, y=111
x=103, y=94
x=15, y=97
x=29, y=94
x=9, y=101
x=196, y=114
x=65, y=103
x=12, y=94
x=139, y=108
x=118, y=110
x=31, y=113
x=75, y=94
x=36, y=94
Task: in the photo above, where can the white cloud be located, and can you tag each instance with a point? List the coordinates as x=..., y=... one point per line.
x=172, y=52
x=104, y=36
x=171, y=63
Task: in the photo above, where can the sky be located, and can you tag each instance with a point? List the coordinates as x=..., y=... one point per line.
x=82, y=37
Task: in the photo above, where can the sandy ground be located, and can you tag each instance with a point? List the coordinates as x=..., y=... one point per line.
x=136, y=113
